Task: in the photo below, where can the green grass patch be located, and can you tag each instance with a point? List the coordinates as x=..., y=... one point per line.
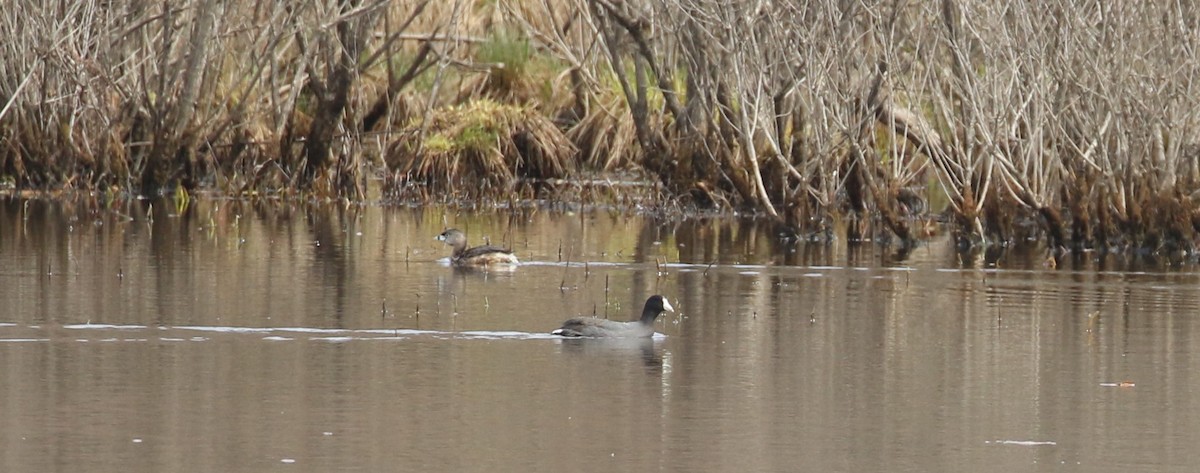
x=508, y=48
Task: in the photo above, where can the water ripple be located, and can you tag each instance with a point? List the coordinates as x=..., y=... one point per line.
x=333, y=335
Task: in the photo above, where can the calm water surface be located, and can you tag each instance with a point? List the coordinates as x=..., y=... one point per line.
x=238, y=337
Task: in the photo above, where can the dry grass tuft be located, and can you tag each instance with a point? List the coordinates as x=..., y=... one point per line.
x=605, y=136
x=480, y=148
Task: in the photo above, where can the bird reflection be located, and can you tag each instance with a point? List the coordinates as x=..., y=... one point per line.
x=484, y=271
x=648, y=349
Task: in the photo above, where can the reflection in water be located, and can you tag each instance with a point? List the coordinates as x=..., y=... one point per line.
x=231, y=336
x=624, y=348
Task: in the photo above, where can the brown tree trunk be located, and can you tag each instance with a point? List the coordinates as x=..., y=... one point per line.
x=172, y=157
x=332, y=97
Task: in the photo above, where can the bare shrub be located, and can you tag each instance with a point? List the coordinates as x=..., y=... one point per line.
x=1080, y=117
x=1061, y=111
x=157, y=97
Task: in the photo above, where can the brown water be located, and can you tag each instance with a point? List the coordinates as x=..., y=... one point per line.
x=249, y=338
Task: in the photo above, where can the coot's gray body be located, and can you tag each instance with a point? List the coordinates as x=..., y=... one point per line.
x=602, y=328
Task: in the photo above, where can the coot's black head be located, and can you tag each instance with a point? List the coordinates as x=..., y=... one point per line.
x=655, y=305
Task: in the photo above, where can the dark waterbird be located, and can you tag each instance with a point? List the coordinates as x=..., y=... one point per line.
x=486, y=255
x=603, y=328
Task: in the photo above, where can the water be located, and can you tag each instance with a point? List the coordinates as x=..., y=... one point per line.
x=242, y=337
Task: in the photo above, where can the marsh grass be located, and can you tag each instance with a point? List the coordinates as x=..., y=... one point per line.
x=478, y=148
x=1027, y=130
x=1066, y=121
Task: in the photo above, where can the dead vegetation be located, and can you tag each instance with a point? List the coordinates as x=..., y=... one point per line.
x=1079, y=116
x=1071, y=122
x=477, y=149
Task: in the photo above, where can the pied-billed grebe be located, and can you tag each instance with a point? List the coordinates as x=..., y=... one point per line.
x=485, y=255
x=603, y=328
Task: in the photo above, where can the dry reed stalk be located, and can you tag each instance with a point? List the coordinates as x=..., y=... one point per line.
x=1079, y=115
x=1064, y=111
x=191, y=92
